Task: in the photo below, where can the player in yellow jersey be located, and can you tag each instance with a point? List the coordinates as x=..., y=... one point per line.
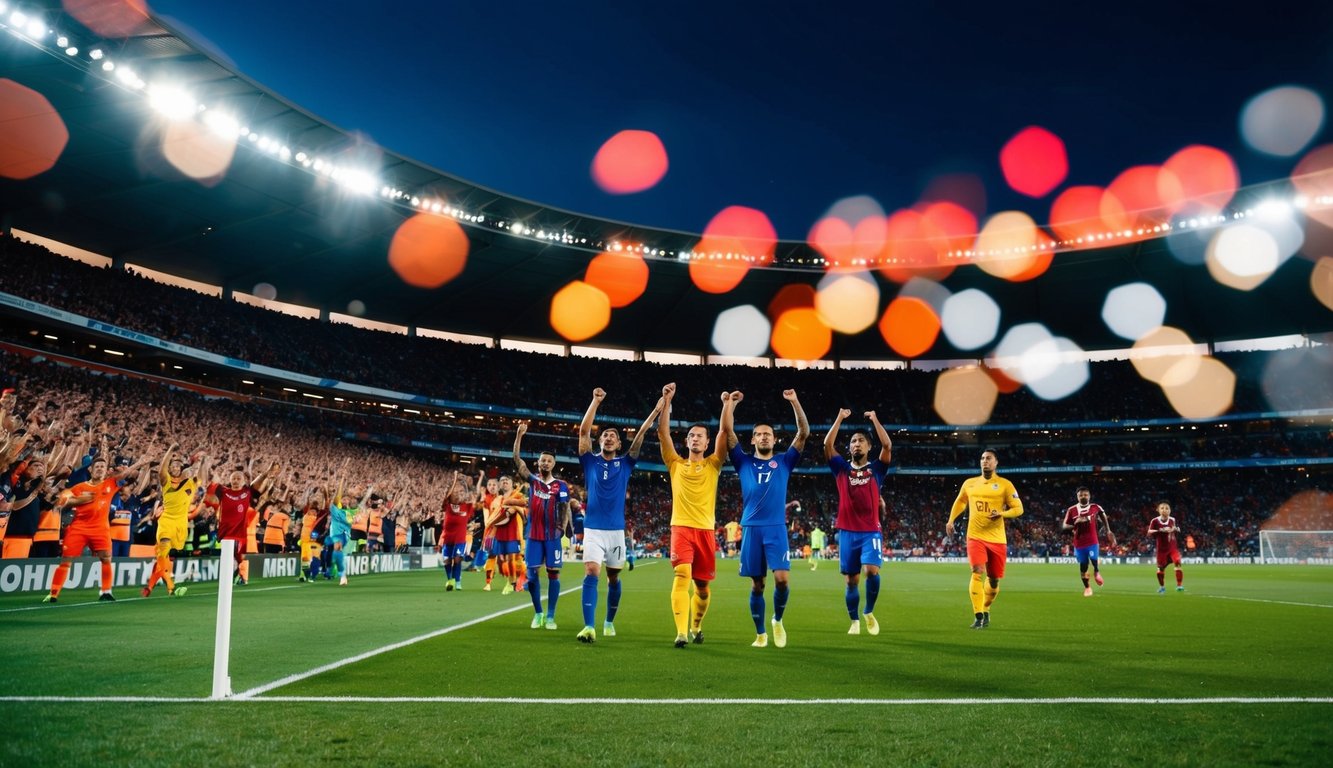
x=989, y=499
x=693, y=514
x=179, y=485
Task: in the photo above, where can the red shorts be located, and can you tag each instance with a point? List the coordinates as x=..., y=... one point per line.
x=78, y=538
x=1171, y=555
x=696, y=548
x=989, y=554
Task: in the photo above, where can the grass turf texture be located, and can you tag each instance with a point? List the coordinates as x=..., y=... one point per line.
x=1046, y=640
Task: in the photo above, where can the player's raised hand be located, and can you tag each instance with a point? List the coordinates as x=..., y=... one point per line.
x=871, y=415
x=789, y=395
x=599, y=394
x=669, y=391
x=737, y=396
x=844, y=413
x=522, y=428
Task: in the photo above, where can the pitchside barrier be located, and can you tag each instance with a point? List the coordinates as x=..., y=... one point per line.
x=35, y=574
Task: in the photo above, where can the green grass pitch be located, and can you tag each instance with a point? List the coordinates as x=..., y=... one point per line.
x=1239, y=632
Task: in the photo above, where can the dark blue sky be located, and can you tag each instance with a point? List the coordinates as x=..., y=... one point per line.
x=776, y=106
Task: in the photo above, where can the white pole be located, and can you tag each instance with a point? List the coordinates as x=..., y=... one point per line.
x=222, y=641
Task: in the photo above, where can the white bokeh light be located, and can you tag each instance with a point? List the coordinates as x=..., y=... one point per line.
x=1027, y=352
x=741, y=332
x=1055, y=369
x=1282, y=121
x=1243, y=256
x=1134, y=310
x=970, y=319
x=265, y=291
x=847, y=302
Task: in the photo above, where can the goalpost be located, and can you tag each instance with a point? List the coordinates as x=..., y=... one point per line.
x=1294, y=546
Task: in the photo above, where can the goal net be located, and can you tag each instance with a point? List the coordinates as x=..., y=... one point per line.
x=1295, y=546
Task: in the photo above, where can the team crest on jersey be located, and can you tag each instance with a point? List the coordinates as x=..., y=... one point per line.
x=773, y=463
x=995, y=486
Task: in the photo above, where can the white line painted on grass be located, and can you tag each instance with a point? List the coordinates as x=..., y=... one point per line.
x=48, y=606
x=249, y=697
x=385, y=649
x=1275, y=602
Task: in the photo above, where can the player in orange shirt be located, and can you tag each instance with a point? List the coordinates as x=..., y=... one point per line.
x=91, y=528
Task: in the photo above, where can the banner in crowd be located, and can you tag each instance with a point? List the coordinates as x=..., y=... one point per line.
x=34, y=575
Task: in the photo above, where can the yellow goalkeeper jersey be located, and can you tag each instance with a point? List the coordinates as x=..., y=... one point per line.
x=693, y=488
x=980, y=497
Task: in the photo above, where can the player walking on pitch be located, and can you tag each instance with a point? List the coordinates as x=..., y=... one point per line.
x=1082, y=519
x=860, y=537
x=1163, y=530
x=989, y=499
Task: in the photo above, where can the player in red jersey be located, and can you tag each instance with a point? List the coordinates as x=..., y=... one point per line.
x=235, y=502
x=860, y=535
x=1082, y=519
x=91, y=528
x=1163, y=530
x=457, y=510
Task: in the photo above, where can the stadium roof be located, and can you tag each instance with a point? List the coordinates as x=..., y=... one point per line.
x=112, y=192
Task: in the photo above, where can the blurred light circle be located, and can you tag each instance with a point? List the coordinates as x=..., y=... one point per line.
x=1207, y=178
x=1282, y=121
x=912, y=248
x=1005, y=384
x=1190, y=246
x=741, y=332
x=926, y=290
x=1034, y=161
x=1076, y=213
x=1206, y=392
x=1242, y=256
x=1140, y=197
x=428, y=251
x=630, y=161
x=847, y=302
x=109, y=18
x=792, y=296
x=965, y=396
x=1299, y=379
x=799, y=334
x=852, y=232
x=1157, y=352
x=356, y=308
x=1313, y=178
x=716, y=273
x=580, y=311
x=734, y=240
x=909, y=326
x=1321, y=281
x=32, y=135
x=197, y=151
x=265, y=291
x=1065, y=369
x=970, y=319
x=1007, y=245
x=1012, y=353
x=1133, y=311
x=622, y=276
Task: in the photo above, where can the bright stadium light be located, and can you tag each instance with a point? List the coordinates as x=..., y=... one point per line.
x=96, y=54
x=171, y=102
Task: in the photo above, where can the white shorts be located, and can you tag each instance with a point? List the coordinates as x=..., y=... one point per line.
x=605, y=547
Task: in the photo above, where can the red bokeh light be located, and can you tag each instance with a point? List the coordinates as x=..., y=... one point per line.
x=1207, y=177
x=32, y=135
x=1034, y=161
x=910, y=326
x=736, y=239
x=428, y=251
x=911, y=248
x=1005, y=384
x=794, y=296
x=622, y=276
x=843, y=245
x=1141, y=197
x=1076, y=213
x=109, y=18
x=631, y=161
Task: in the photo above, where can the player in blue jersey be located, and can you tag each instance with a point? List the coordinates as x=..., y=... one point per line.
x=764, y=476
x=548, y=519
x=606, y=476
x=340, y=527
x=860, y=537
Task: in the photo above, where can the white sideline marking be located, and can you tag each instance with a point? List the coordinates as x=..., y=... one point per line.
x=385, y=649
x=1276, y=602
x=249, y=697
x=48, y=606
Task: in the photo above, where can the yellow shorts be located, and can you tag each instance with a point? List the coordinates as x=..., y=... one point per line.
x=172, y=531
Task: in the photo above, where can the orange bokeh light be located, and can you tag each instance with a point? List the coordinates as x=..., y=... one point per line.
x=631, y=161
x=197, y=151
x=1207, y=176
x=1313, y=177
x=1008, y=246
x=1141, y=197
x=32, y=135
x=1041, y=260
x=428, y=251
x=622, y=276
x=1034, y=161
x=736, y=239
x=843, y=244
x=794, y=296
x=1002, y=380
x=910, y=326
x=912, y=246
x=580, y=311
x=799, y=334
x=109, y=18
x=1076, y=213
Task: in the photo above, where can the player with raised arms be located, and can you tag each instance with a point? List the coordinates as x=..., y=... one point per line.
x=179, y=485
x=860, y=536
x=548, y=519
x=606, y=476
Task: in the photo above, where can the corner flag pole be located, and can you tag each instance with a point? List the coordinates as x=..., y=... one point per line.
x=222, y=641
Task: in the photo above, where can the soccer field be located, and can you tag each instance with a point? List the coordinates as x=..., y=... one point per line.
x=394, y=670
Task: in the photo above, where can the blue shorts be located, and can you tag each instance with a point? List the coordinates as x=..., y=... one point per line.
x=548, y=553
x=764, y=548
x=1085, y=553
x=505, y=548
x=341, y=537
x=453, y=550
x=857, y=549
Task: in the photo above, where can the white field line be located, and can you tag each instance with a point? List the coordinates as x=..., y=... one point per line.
x=1275, y=602
x=48, y=606
x=968, y=702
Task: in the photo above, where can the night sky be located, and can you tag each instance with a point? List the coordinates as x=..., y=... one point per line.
x=779, y=107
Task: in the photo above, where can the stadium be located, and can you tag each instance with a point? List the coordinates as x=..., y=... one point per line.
x=230, y=328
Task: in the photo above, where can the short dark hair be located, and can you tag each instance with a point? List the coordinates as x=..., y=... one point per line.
x=700, y=425
x=547, y=453
x=991, y=451
x=1081, y=489
x=1160, y=502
